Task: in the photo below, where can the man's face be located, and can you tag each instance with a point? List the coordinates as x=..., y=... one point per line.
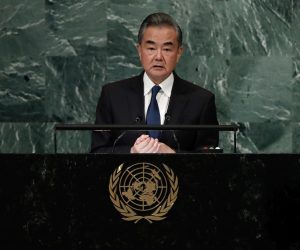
x=159, y=52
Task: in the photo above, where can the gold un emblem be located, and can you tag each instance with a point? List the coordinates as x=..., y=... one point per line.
x=143, y=191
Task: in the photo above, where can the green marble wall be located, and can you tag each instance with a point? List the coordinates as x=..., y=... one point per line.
x=56, y=54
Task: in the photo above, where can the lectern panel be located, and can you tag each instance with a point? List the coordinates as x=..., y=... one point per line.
x=190, y=201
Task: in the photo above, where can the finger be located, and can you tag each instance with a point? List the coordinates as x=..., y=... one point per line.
x=147, y=145
x=152, y=146
x=141, y=138
x=142, y=146
x=157, y=147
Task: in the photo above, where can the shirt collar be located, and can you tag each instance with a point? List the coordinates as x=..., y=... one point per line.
x=165, y=85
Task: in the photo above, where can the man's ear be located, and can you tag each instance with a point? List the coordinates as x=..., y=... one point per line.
x=138, y=48
x=179, y=53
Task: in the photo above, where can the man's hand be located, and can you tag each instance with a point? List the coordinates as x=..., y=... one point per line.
x=165, y=149
x=146, y=144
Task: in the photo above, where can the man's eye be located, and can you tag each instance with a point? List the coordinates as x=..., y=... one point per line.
x=167, y=49
x=151, y=49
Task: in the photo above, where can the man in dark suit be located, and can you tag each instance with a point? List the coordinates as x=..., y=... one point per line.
x=156, y=96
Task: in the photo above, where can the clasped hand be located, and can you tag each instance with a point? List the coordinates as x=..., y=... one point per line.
x=146, y=144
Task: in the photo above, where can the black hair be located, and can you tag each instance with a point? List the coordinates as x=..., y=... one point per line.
x=159, y=19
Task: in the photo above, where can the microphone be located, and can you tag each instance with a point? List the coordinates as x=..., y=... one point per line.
x=167, y=119
x=137, y=120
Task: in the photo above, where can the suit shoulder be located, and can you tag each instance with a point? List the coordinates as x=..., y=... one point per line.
x=192, y=88
x=123, y=83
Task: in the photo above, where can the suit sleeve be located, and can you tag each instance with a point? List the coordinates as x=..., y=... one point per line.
x=101, y=140
x=106, y=141
x=208, y=138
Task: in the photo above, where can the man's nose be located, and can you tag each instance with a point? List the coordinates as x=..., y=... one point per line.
x=159, y=55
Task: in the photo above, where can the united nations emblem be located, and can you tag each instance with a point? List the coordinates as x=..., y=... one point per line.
x=143, y=191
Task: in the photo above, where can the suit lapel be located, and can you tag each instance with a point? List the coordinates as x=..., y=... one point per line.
x=135, y=98
x=177, y=103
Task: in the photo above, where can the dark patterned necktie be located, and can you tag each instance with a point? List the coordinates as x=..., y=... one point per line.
x=153, y=116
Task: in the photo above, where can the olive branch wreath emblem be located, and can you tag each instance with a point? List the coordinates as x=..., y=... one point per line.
x=128, y=213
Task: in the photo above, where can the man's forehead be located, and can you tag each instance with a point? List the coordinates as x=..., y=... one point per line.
x=160, y=34
x=167, y=43
x=160, y=28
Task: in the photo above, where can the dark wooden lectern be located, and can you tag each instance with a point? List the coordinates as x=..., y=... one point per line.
x=224, y=201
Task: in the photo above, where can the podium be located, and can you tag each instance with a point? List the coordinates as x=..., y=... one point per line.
x=220, y=201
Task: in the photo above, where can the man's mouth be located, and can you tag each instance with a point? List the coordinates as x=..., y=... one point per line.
x=158, y=66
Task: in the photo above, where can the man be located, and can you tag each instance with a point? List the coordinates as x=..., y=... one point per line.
x=156, y=96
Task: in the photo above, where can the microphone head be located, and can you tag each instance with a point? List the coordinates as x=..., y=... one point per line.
x=167, y=117
x=138, y=119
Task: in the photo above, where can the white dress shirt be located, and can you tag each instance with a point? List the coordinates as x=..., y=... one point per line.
x=163, y=96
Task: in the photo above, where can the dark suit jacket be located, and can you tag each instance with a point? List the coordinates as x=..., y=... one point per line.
x=122, y=103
